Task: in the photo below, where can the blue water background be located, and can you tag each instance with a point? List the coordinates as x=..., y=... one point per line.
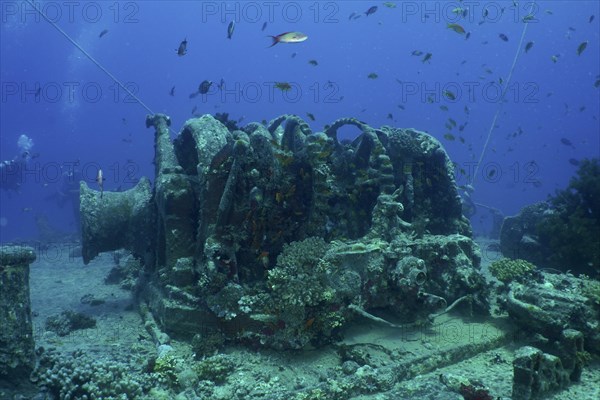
x=98, y=126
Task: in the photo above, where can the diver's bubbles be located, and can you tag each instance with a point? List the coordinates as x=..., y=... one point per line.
x=25, y=143
x=3, y=222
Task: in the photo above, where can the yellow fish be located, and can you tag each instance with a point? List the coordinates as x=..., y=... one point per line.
x=456, y=28
x=289, y=37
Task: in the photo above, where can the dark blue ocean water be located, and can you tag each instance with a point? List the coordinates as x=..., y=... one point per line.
x=76, y=115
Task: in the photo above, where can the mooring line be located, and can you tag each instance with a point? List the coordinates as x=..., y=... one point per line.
x=89, y=56
x=503, y=94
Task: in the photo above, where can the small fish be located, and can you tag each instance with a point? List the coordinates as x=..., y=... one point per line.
x=390, y=116
x=467, y=111
x=449, y=95
x=104, y=32
x=100, y=180
x=313, y=62
x=389, y=4
x=372, y=75
x=491, y=174
x=468, y=35
x=182, y=50
x=427, y=57
x=288, y=37
x=528, y=46
x=221, y=84
x=485, y=13
x=194, y=110
x=549, y=12
x=574, y=162
x=417, y=53
x=294, y=54
x=591, y=19
x=503, y=37
x=400, y=106
x=554, y=58
x=264, y=26
x=204, y=87
x=283, y=86
x=172, y=91
x=449, y=136
x=566, y=142
x=371, y=10
x=443, y=108
x=597, y=83
x=352, y=15
x=230, y=29
x=26, y=209
x=452, y=122
x=311, y=116
x=457, y=11
x=581, y=47
x=528, y=18
x=456, y=28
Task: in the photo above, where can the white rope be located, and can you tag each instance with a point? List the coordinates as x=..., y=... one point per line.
x=92, y=59
x=503, y=94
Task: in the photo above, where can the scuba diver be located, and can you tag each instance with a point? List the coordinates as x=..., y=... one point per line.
x=11, y=171
x=11, y=174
